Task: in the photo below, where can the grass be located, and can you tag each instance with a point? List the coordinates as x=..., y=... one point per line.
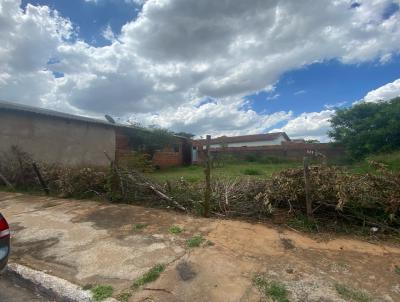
x=352, y=294
x=230, y=170
x=391, y=160
x=102, y=292
x=124, y=297
x=257, y=168
x=149, y=276
x=272, y=289
x=175, y=229
x=251, y=171
x=397, y=270
x=139, y=226
x=302, y=223
x=195, y=241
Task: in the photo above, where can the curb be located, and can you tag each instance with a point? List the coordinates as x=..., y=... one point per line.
x=52, y=287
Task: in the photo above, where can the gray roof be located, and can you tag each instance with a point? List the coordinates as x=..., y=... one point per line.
x=52, y=113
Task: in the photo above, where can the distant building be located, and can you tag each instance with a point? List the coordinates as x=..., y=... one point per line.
x=298, y=141
x=277, y=145
x=59, y=138
x=255, y=140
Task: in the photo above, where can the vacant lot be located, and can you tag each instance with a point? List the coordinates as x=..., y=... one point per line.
x=143, y=254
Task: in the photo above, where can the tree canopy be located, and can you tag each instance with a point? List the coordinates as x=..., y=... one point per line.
x=368, y=128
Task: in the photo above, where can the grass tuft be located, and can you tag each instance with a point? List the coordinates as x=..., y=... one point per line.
x=139, y=226
x=102, y=292
x=149, y=276
x=175, y=230
x=352, y=294
x=272, y=289
x=397, y=270
x=195, y=241
x=124, y=297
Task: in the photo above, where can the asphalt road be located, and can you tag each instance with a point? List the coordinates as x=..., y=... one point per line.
x=11, y=292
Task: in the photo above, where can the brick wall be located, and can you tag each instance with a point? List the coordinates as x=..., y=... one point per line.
x=161, y=159
x=121, y=145
x=295, y=151
x=166, y=158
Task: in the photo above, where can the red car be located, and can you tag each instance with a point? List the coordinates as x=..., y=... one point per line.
x=4, y=242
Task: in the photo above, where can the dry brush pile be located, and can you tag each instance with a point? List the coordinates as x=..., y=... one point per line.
x=337, y=195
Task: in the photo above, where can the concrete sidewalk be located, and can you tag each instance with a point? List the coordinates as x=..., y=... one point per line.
x=89, y=243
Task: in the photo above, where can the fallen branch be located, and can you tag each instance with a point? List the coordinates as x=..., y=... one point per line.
x=40, y=178
x=159, y=289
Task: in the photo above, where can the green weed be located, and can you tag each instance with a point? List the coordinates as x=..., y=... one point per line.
x=149, y=276
x=102, y=292
x=124, y=297
x=272, y=289
x=195, y=241
x=139, y=226
x=397, y=270
x=352, y=294
x=175, y=230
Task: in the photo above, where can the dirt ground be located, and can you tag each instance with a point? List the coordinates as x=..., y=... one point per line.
x=90, y=243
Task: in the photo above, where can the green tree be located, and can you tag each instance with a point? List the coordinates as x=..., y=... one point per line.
x=185, y=134
x=368, y=127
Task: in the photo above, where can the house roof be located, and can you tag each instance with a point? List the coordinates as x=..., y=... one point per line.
x=246, y=138
x=8, y=106
x=52, y=113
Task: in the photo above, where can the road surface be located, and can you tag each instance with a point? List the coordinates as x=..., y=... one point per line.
x=11, y=292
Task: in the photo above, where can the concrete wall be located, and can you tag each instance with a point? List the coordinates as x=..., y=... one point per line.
x=54, y=140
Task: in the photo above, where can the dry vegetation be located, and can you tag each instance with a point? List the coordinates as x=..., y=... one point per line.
x=338, y=196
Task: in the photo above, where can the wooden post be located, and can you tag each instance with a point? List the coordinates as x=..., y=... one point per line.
x=307, y=188
x=39, y=176
x=207, y=173
x=5, y=180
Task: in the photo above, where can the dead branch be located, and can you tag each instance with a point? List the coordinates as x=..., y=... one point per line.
x=4, y=179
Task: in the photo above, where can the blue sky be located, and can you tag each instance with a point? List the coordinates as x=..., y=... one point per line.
x=92, y=17
x=323, y=84
x=206, y=67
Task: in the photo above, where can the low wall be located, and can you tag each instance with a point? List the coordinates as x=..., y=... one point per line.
x=295, y=151
x=55, y=140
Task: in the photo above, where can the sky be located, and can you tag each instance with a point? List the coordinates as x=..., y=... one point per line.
x=206, y=67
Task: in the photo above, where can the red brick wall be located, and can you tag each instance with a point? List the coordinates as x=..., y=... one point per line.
x=121, y=145
x=165, y=159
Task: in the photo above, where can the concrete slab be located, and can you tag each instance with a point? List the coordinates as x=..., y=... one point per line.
x=88, y=242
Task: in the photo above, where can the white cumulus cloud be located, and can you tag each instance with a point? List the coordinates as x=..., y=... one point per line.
x=310, y=125
x=384, y=93
x=179, y=52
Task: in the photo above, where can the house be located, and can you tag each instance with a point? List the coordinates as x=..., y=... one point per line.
x=59, y=138
x=256, y=140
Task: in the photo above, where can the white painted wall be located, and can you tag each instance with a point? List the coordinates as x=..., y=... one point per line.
x=276, y=141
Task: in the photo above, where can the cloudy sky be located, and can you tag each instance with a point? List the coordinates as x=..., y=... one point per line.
x=207, y=67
